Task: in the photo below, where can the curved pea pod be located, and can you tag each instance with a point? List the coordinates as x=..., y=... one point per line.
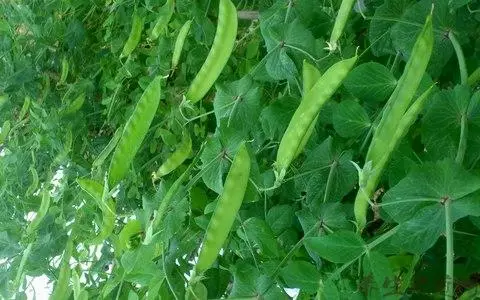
x=310, y=76
x=41, y=213
x=135, y=34
x=340, y=22
x=371, y=181
x=306, y=113
x=64, y=74
x=226, y=210
x=179, y=42
x=96, y=190
x=219, y=53
x=134, y=132
x=164, y=15
x=130, y=236
x=393, y=116
x=75, y=106
x=176, y=158
x=62, y=289
x=5, y=131
x=34, y=185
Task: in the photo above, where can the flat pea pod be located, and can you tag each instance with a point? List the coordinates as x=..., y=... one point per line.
x=96, y=191
x=226, y=210
x=365, y=192
x=176, y=158
x=62, y=290
x=108, y=149
x=64, y=74
x=75, y=106
x=34, y=185
x=310, y=76
x=392, y=116
x=306, y=113
x=179, y=42
x=340, y=22
x=219, y=53
x=41, y=213
x=5, y=131
x=135, y=34
x=134, y=132
x=3, y=100
x=164, y=15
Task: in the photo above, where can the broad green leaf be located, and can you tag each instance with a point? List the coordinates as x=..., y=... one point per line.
x=280, y=66
x=280, y=218
x=260, y=236
x=384, y=18
x=377, y=266
x=338, y=247
x=238, y=101
x=302, y=275
x=327, y=160
x=370, y=82
x=248, y=282
x=276, y=116
x=350, y=119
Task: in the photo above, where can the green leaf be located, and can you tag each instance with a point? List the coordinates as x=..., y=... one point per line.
x=377, y=266
x=280, y=218
x=276, y=117
x=238, y=101
x=327, y=160
x=260, y=236
x=350, y=119
x=280, y=66
x=302, y=275
x=416, y=200
x=370, y=82
x=338, y=247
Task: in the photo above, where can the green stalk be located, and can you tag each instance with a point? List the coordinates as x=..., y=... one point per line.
x=461, y=58
x=450, y=254
x=462, y=144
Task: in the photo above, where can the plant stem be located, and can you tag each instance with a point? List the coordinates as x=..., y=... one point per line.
x=289, y=8
x=462, y=144
x=461, y=58
x=450, y=254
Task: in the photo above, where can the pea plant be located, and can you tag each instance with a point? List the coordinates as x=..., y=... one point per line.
x=241, y=149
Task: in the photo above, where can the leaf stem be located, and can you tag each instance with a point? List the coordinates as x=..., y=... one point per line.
x=461, y=58
x=462, y=144
x=450, y=254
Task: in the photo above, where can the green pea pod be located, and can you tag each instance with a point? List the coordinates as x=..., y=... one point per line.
x=41, y=213
x=179, y=42
x=226, y=210
x=108, y=149
x=62, y=289
x=25, y=107
x=392, y=117
x=306, y=113
x=129, y=233
x=135, y=34
x=366, y=191
x=5, y=131
x=219, y=53
x=176, y=158
x=75, y=106
x=96, y=191
x=310, y=76
x=64, y=74
x=164, y=15
x=34, y=185
x=340, y=22
x=134, y=132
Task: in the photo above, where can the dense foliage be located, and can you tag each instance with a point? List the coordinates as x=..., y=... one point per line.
x=112, y=162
